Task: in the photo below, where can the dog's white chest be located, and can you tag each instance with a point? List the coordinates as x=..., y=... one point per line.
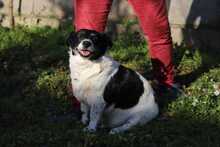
x=89, y=78
x=84, y=81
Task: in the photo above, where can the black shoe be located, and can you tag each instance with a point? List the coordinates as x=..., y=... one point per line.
x=171, y=92
x=167, y=93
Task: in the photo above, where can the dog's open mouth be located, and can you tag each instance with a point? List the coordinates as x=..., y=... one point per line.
x=85, y=52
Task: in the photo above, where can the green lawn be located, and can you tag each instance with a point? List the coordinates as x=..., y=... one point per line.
x=34, y=79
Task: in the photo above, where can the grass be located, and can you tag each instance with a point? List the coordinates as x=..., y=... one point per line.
x=34, y=87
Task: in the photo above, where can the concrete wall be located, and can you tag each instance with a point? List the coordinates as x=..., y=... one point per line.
x=194, y=22
x=36, y=12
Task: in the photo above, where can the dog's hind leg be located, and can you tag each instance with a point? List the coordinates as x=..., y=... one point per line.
x=127, y=125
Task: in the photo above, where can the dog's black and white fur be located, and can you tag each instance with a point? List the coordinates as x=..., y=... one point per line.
x=105, y=88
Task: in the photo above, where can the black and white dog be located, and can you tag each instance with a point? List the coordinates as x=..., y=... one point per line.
x=105, y=88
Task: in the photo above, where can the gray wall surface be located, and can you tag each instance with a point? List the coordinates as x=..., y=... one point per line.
x=194, y=22
x=36, y=12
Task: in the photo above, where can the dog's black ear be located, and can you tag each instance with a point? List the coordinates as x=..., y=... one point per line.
x=107, y=40
x=72, y=39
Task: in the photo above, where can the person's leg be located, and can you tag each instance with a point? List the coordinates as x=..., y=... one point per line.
x=154, y=22
x=91, y=14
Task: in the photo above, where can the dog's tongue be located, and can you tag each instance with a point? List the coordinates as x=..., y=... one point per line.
x=85, y=52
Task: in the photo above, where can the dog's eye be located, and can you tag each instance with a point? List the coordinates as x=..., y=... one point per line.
x=95, y=38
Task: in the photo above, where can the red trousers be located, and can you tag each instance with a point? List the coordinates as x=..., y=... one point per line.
x=152, y=15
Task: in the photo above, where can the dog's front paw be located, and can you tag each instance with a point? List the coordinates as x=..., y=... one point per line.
x=85, y=119
x=89, y=129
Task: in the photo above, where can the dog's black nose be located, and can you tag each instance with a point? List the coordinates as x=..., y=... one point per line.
x=86, y=44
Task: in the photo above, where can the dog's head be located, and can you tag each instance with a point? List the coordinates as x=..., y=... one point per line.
x=89, y=44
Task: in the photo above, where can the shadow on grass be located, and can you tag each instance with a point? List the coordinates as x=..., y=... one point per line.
x=25, y=55
x=198, y=68
x=21, y=62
